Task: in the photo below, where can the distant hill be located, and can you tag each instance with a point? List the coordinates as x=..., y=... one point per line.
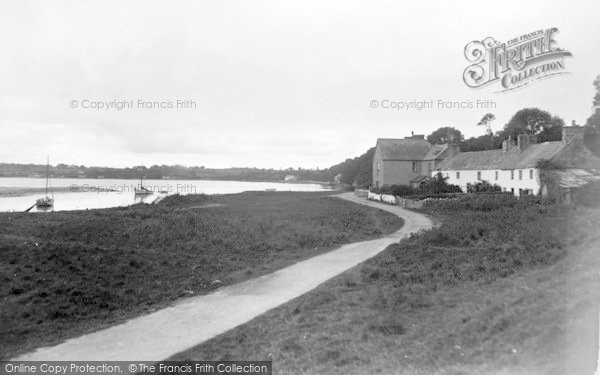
x=355, y=171
x=358, y=171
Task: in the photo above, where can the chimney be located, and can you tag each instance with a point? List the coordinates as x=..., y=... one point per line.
x=416, y=136
x=572, y=133
x=522, y=141
x=507, y=144
x=453, y=149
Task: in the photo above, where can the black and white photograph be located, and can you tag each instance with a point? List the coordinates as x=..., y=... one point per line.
x=299, y=187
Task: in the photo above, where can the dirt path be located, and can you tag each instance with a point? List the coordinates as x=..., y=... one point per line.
x=161, y=334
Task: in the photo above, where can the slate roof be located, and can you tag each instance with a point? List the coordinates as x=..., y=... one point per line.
x=434, y=152
x=572, y=155
x=403, y=149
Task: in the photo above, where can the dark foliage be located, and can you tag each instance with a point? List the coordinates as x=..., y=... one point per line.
x=483, y=187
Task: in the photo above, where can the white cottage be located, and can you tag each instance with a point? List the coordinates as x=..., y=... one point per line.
x=515, y=167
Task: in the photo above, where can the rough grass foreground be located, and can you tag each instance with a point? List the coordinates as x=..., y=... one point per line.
x=65, y=273
x=499, y=287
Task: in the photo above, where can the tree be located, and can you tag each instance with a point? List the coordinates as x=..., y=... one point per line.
x=482, y=143
x=591, y=130
x=438, y=185
x=444, y=135
x=486, y=121
x=534, y=121
x=357, y=171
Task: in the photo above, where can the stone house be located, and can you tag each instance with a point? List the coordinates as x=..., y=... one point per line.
x=527, y=167
x=407, y=161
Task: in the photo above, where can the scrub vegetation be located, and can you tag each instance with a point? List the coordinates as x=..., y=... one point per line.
x=66, y=273
x=499, y=286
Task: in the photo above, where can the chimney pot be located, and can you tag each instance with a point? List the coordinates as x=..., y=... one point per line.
x=507, y=144
x=572, y=133
x=522, y=141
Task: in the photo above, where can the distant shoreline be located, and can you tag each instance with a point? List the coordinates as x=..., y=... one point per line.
x=6, y=192
x=176, y=179
x=15, y=191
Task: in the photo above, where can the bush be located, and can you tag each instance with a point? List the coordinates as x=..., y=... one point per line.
x=483, y=202
x=430, y=187
x=437, y=185
x=401, y=190
x=483, y=187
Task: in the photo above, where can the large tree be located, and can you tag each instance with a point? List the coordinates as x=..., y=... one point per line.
x=534, y=121
x=592, y=126
x=446, y=134
x=486, y=121
x=357, y=171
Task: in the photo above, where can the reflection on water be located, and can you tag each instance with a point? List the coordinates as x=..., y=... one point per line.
x=104, y=193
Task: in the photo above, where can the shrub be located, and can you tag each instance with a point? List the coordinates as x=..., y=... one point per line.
x=431, y=186
x=483, y=187
x=437, y=185
x=401, y=190
x=484, y=202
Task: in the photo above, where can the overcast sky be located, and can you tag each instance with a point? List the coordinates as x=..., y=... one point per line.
x=276, y=83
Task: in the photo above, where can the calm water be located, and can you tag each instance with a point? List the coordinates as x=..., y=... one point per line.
x=124, y=194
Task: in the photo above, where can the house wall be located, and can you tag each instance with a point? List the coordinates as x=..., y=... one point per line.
x=427, y=166
x=394, y=172
x=399, y=172
x=377, y=169
x=504, y=179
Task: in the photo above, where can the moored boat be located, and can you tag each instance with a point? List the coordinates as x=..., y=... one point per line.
x=46, y=201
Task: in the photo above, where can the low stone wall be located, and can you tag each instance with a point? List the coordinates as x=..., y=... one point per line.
x=394, y=201
x=409, y=203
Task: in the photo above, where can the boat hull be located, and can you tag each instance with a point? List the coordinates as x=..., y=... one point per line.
x=44, y=202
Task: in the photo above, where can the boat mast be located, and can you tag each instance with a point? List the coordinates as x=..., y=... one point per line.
x=47, y=172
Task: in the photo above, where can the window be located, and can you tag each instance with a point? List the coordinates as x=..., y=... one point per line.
x=414, y=167
x=512, y=175
x=429, y=167
x=520, y=174
x=377, y=165
x=531, y=174
x=496, y=175
x=478, y=175
x=512, y=190
x=457, y=175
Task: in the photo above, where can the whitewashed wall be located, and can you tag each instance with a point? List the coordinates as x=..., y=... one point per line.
x=385, y=198
x=504, y=180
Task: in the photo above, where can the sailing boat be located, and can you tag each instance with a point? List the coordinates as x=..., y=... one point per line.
x=46, y=201
x=141, y=189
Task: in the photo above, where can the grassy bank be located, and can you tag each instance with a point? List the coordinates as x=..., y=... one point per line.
x=66, y=273
x=499, y=287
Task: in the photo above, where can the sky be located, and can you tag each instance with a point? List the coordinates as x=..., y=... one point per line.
x=268, y=84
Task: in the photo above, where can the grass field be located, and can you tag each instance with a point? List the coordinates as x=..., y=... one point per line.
x=501, y=286
x=66, y=273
